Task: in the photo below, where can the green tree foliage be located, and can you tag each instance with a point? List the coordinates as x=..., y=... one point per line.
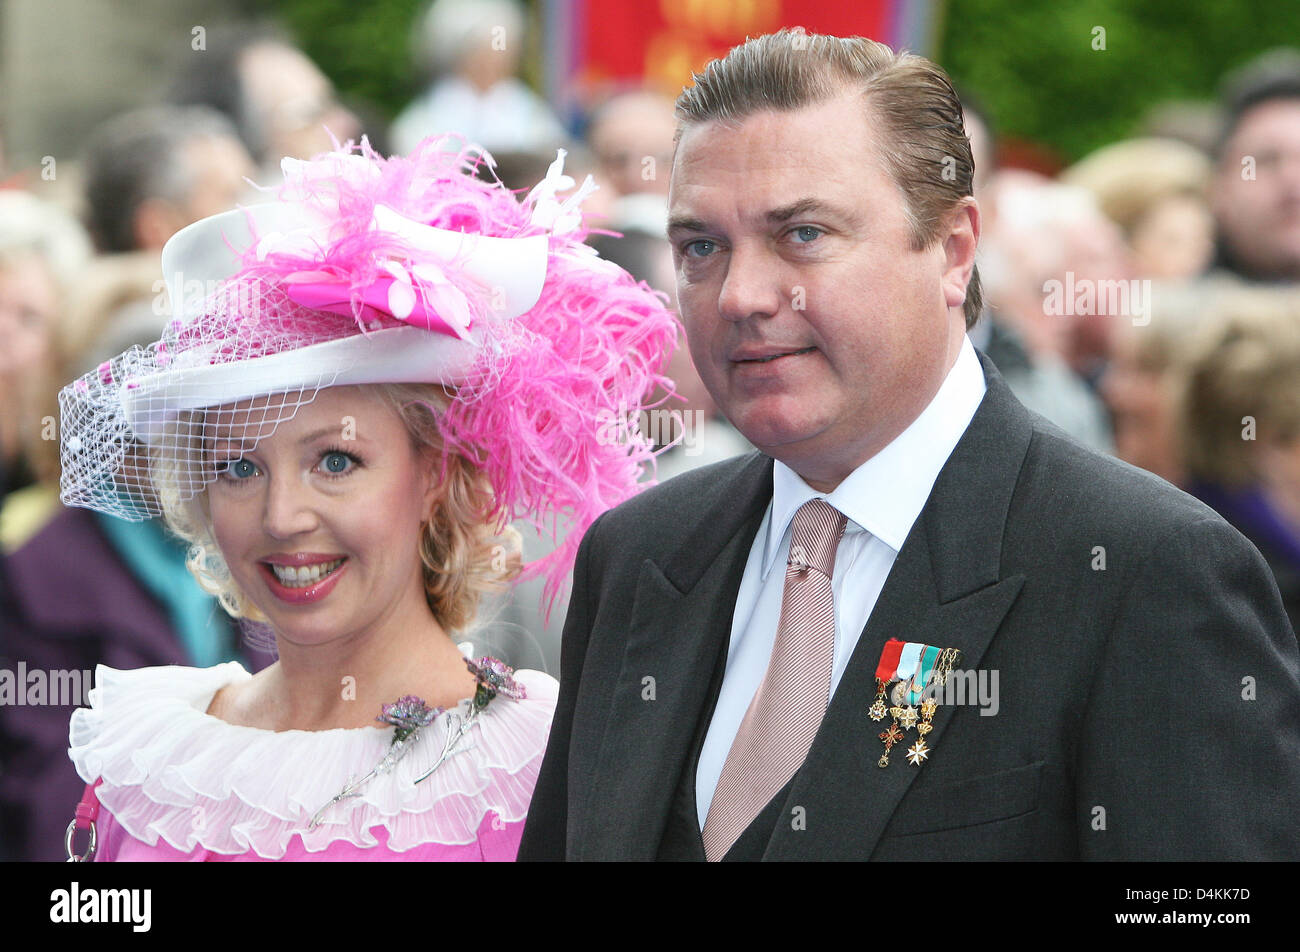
x=1034, y=65
x=1032, y=62
x=364, y=46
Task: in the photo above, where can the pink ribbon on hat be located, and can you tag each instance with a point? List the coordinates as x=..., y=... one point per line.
x=421, y=297
x=417, y=292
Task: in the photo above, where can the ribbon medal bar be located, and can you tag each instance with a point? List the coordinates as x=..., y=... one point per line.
x=905, y=671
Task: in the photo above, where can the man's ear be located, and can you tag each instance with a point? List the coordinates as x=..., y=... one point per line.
x=962, y=235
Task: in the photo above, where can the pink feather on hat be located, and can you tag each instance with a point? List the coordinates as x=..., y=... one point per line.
x=549, y=367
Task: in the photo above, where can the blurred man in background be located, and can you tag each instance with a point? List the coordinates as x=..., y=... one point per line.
x=1256, y=193
x=280, y=102
x=1044, y=232
x=470, y=51
x=631, y=136
x=1034, y=369
x=148, y=173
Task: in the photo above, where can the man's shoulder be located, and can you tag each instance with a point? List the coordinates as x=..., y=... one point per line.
x=1064, y=483
x=698, y=488
x=667, y=512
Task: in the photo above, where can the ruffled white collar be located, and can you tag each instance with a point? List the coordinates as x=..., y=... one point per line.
x=171, y=770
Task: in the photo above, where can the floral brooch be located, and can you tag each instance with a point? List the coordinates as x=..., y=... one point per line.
x=409, y=715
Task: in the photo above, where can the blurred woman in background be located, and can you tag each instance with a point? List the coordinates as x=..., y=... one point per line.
x=1240, y=425
x=42, y=252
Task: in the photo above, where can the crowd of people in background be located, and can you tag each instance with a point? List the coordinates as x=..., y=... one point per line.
x=1146, y=300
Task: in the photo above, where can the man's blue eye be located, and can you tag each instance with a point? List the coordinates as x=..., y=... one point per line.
x=700, y=252
x=807, y=233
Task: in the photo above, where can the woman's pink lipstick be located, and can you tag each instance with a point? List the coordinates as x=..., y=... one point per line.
x=305, y=595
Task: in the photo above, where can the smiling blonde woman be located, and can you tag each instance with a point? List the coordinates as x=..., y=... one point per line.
x=363, y=384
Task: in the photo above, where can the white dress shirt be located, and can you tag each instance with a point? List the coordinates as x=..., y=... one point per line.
x=882, y=498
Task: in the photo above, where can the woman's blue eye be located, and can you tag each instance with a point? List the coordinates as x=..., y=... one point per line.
x=337, y=462
x=240, y=469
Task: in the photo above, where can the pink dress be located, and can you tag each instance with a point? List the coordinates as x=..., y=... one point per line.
x=180, y=785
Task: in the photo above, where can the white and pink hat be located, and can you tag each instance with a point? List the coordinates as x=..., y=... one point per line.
x=401, y=270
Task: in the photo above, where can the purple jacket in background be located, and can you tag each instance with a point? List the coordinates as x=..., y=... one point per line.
x=71, y=604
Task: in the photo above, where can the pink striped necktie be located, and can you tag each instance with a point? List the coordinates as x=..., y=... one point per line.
x=787, y=709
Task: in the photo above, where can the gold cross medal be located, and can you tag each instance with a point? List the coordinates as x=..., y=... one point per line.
x=910, y=668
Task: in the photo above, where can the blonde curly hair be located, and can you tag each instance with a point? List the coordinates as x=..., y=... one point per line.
x=466, y=554
x=1242, y=367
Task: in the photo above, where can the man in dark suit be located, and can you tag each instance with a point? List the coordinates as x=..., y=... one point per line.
x=1136, y=683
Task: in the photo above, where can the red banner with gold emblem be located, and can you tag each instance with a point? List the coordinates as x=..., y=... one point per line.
x=597, y=45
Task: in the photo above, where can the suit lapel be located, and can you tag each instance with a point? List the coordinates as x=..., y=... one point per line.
x=944, y=589
x=681, y=625
x=847, y=799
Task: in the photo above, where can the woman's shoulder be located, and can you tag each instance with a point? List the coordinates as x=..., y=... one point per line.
x=123, y=703
x=541, y=688
x=515, y=731
x=174, y=776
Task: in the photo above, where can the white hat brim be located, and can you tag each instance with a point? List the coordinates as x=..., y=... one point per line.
x=393, y=355
x=199, y=257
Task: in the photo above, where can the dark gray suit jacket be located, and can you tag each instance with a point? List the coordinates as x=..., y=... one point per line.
x=1147, y=710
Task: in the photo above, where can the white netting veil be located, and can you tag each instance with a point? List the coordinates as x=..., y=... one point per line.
x=169, y=417
x=367, y=270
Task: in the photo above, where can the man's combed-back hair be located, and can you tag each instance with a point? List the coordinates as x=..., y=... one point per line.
x=923, y=143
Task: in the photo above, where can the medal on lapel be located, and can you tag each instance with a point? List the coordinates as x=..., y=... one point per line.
x=884, y=674
x=905, y=671
x=886, y=671
x=898, y=657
